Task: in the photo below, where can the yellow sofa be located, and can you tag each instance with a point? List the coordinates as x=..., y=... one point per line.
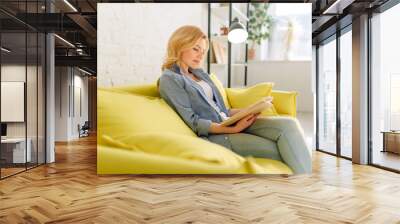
x=138, y=133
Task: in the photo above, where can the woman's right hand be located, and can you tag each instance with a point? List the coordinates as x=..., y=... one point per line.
x=245, y=122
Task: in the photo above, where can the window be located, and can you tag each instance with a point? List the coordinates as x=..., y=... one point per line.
x=290, y=34
x=394, y=102
x=327, y=97
x=346, y=94
x=385, y=85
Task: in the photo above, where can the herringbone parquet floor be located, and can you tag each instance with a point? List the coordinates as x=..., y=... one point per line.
x=69, y=191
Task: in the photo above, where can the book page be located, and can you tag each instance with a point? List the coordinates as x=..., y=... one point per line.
x=255, y=108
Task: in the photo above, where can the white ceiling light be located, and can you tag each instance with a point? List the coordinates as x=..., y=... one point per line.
x=5, y=50
x=237, y=32
x=65, y=41
x=70, y=5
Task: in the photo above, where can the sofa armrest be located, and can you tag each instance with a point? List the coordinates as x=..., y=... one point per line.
x=285, y=102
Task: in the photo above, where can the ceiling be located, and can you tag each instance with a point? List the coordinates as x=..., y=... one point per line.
x=77, y=25
x=329, y=16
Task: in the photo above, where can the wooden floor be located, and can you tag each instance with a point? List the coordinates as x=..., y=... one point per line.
x=10, y=171
x=70, y=191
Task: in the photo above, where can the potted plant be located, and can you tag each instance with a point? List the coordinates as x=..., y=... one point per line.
x=259, y=26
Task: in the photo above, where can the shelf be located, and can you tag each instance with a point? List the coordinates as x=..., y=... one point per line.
x=223, y=38
x=223, y=13
x=219, y=16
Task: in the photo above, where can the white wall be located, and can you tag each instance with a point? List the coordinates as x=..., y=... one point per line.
x=131, y=48
x=33, y=127
x=16, y=72
x=80, y=103
x=67, y=115
x=61, y=103
x=289, y=76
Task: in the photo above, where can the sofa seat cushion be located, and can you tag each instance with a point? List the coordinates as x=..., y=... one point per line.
x=114, y=160
x=266, y=166
x=176, y=145
x=159, y=153
x=122, y=114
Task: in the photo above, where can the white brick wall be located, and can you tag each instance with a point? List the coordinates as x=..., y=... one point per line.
x=132, y=38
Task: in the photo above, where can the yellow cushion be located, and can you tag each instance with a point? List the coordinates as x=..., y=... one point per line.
x=146, y=90
x=221, y=89
x=285, y=102
x=135, y=155
x=176, y=145
x=270, y=166
x=121, y=114
x=243, y=97
x=114, y=160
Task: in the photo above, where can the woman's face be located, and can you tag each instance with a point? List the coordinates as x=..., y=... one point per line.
x=193, y=57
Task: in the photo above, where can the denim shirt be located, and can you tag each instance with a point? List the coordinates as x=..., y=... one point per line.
x=188, y=99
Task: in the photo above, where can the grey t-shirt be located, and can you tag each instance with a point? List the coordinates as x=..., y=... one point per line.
x=210, y=96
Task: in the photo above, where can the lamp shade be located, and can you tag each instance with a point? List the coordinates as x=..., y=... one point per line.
x=237, y=32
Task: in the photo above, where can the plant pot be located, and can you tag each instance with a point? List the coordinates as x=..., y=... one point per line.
x=224, y=30
x=251, y=54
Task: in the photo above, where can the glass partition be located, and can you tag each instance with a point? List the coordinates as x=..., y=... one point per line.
x=31, y=100
x=327, y=96
x=22, y=77
x=13, y=94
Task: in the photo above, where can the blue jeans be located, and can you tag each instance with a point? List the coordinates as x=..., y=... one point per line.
x=278, y=138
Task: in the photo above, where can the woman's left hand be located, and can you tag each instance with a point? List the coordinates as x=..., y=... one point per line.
x=245, y=122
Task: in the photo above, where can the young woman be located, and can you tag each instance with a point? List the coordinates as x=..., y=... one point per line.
x=191, y=93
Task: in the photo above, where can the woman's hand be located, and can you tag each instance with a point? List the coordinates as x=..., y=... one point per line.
x=217, y=128
x=245, y=122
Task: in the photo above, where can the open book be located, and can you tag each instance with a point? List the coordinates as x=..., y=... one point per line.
x=255, y=108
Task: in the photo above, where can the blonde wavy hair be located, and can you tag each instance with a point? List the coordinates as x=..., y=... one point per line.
x=183, y=38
